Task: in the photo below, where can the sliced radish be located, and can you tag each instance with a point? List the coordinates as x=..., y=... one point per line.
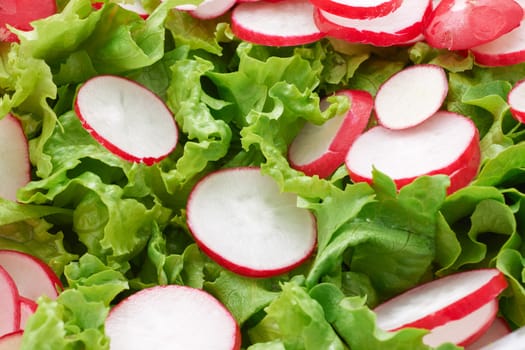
x=240, y=218
x=270, y=23
x=358, y=9
x=516, y=100
x=10, y=311
x=498, y=329
x=463, y=24
x=32, y=277
x=209, y=9
x=447, y=143
x=321, y=149
x=20, y=13
x=506, y=50
x=27, y=309
x=172, y=317
x=11, y=341
x=14, y=161
x=402, y=25
x=136, y=7
x=465, y=330
x=126, y=118
x=411, y=96
x=440, y=301
x=512, y=341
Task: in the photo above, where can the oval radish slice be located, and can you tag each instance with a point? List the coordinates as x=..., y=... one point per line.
x=11, y=341
x=126, y=118
x=498, y=329
x=411, y=96
x=281, y=23
x=321, y=149
x=440, y=301
x=516, y=100
x=32, y=277
x=240, y=219
x=402, y=25
x=358, y=9
x=14, y=161
x=10, y=311
x=171, y=317
x=447, y=143
x=466, y=329
x=20, y=13
x=212, y=8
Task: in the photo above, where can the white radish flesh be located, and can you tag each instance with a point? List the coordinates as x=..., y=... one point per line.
x=440, y=301
x=358, y=9
x=447, y=143
x=127, y=118
x=516, y=100
x=32, y=277
x=171, y=317
x=512, y=341
x=498, y=329
x=321, y=149
x=279, y=23
x=136, y=7
x=466, y=329
x=10, y=311
x=240, y=218
x=411, y=96
x=209, y=9
x=14, y=159
x=11, y=341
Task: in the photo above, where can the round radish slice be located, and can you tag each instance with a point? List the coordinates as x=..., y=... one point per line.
x=16, y=167
x=400, y=26
x=358, y=9
x=498, y=329
x=33, y=277
x=443, y=300
x=10, y=314
x=212, y=8
x=466, y=329
x=11, y=341
x=447, y=143
x=126, y=118
x=462, y=24
x=20, y=13
x=411, y=96
x=171, y=317
x=516, y=100
x=321, y=149
x=240, y=219
x=281, y=23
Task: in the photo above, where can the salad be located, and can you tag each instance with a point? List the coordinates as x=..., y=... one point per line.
x=109, y=227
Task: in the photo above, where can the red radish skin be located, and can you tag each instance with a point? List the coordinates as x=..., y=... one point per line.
x=465, y=330
x=172, y=317
x=401, y=26
x=32, y=277
x=14, y=160
x=498, y=329
x=321, y=149
x=358, y=9
x=463, y=24
x=11, y=341
x=20, y=13
x=440, y=301
x=240, y=219
x=270, y=23
x=447, y=143
x=126, y=118
x=10, y=310
x=27, y=309
x=411, y=96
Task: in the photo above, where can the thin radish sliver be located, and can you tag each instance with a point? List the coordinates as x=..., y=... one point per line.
x=442, y=300
x=171, y=317
x=411, y=96
x=212, y=8
x=9, y=306
x=240, y=218
x=516, y=100
x=280, y=23
x=358, y=9
x=127, y=118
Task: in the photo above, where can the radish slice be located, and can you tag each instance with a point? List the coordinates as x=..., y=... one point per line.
x=32, y=277
x=516, y=100
x=447, y=143
x=281, y=23
x=11, y=341
x=126, y=118
x=321, y=149
x=443, y=300
x=398, y=27
x=20, y=13
x=512, y=341
x=498, y=329
x=358, y=9
x=27, y=309
x=463, y=24
x=10, y=311
x=171, y=317
x=240, y=219
x=135, y=7
x=411, y=96
x=16, y=167
x=466, y=329
x=209, y=9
